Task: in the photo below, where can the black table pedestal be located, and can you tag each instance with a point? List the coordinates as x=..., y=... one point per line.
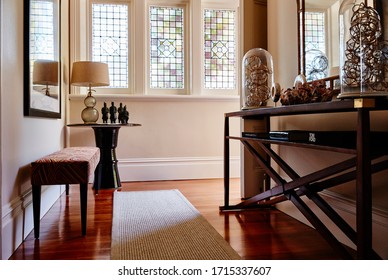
x=106, y=174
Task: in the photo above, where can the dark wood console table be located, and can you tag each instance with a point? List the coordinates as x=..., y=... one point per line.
x=106, y=174
x=364, y=152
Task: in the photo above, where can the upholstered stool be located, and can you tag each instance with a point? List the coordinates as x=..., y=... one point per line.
x=72, y=165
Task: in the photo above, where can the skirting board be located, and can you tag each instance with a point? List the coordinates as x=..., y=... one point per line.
x=153, y=169
x=17, y=220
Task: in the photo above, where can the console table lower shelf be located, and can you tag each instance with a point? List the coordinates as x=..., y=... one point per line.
x=367, y=155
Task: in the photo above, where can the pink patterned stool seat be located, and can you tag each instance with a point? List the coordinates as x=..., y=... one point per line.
x=72, y=165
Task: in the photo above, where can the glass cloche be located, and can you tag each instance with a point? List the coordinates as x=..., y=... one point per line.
x=363, y=49
x=257, y=78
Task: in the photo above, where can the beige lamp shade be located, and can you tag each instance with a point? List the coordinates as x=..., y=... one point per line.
x=90, y=74
x=45, y=72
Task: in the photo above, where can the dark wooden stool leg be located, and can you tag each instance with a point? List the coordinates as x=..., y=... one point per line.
x=36, y=208
x=67, y=189
x=84, y=202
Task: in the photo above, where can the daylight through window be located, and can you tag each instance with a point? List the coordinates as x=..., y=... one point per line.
x=167, y=69
x=315, y=31
x=42, y=30
x=219, y=49
x=161, y=47
x=110, y=40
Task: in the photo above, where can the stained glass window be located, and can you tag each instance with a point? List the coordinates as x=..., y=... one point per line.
x=316, y=60
x=219, y=49
x=167, y=69
x=42, y=30
x=110, y=40
x=315, y=31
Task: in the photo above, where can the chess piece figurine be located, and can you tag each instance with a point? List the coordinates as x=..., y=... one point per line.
x=105, y=112
x=120, y=113
x=113, y=113
x=125, y=115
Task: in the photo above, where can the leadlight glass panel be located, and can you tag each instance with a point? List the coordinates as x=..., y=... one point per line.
x=42, y=30
x=167, y=69
x=220, y=49
x=315, y=31
x=316, y=62
x=110, y=40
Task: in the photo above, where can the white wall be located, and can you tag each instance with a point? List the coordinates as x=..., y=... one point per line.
x=180, y=137
x=283, y=46
x=23, y=139
x=282, y=40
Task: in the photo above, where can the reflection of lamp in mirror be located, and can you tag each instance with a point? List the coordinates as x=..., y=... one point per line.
x=90, y=74
x=45, y=72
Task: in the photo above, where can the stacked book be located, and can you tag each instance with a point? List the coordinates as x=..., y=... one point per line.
x=345, y=139
x=326, y=138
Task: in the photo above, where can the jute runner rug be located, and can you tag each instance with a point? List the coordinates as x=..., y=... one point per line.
x=163, y=225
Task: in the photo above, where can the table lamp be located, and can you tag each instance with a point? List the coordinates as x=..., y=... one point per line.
x=45, y=72
x=90, y=74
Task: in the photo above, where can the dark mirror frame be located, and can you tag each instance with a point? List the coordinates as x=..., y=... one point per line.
x=28, y=110
x=301, y=45
x=301, y=30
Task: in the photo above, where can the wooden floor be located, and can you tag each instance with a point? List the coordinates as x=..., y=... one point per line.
x=254, y=234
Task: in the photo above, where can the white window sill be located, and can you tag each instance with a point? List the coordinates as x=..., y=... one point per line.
x=162, y=98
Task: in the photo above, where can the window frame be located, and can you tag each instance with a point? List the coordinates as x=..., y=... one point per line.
x=325, y=18
x=138, y=66
x=326, y=37
x=129, y=3
x=184, y=4
x=221, y=5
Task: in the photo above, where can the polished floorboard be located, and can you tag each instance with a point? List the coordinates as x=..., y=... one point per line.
x=266, y=234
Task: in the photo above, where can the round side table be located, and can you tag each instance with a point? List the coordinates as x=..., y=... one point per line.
x=106, y=175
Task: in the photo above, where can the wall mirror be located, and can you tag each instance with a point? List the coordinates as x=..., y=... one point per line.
x=318, y=38
x=42, y=66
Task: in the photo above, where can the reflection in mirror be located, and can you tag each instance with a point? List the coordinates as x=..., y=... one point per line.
x=45, y=72
x=319, y=38
x=42, y=56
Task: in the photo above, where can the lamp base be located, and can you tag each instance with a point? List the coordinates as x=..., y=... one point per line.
x=89, y=114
